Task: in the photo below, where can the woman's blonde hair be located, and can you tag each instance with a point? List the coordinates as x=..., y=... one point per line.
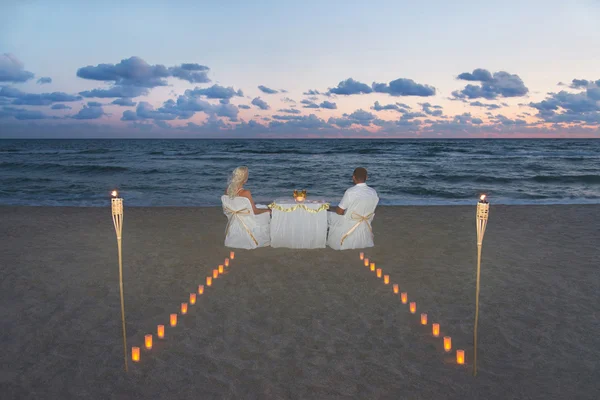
x=236, y=181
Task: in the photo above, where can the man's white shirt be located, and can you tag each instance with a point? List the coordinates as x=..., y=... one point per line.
x=355, y=194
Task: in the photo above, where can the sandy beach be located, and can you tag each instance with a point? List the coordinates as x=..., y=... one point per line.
x=300, y=324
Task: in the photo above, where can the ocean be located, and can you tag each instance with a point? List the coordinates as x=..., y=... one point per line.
x=194, y=172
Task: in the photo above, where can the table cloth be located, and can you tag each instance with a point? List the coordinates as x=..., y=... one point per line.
x=299, y=225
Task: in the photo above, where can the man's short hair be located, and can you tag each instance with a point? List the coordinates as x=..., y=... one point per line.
x=360, y=174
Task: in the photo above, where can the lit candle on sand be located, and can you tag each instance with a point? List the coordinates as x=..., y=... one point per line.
x=200, y=289
x=135, y=354
x=192, y=298
x=215, y=273
x=173, y=320
x=423, y=319
x=366, y=262
x=232, y=255
x=460, y=357
x=160, y=332
x=373, y=267
x=386, y=279
x=209, y=281
x=447, y=343
x=184, y=307
x=221, y=269
x=148, y=341
x=435, y=330
x=404, y=297
x=396, y=288
x=227, y=262
x=413, y=307
x=362, y=255
x=379, y=272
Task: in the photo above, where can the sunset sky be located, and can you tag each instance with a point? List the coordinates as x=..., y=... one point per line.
x=288, y=69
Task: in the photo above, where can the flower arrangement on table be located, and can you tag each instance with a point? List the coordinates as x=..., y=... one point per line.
x=300, y=195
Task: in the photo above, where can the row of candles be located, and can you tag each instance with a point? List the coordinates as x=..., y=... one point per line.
x=435, y=327
x=160, y=329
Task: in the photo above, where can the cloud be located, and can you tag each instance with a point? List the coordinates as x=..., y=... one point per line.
x=258, y=102
x=434, y=111
x=162, y=124
x=492, y=85
x=565, y=107
x=290, y=110
x=400, y=107
x=311, y=92
x=215, y=92
x=404, y=87
x=328, y=105
x=60, y=106
x=134, y=71
x=184, y=108
x=43, y=80
x=349, y=87
x=125, y=102
x=288, y=100
x=309, y=104
x=267, y=90
x=35, y=99
x=12, y=69
x=93, y=110
x=244, y=106
x=507, y=121
x=22, y=114
x=358, y=117
x=301, y=122
x=116, y=91
x=325, y=104
x=485, y=105
x=583, y=84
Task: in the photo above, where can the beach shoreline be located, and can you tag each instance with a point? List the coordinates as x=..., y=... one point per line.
x=287, y=323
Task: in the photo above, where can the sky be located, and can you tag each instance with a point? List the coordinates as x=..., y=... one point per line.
x=299, y=69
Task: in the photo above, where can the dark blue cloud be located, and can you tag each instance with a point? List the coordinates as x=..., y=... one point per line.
x=288, y=100
x=60, y=107
x=35, y=99
x=13, y=70
x=267, y=90
x=244, y=106
x=349, y=87
x=358, y=117
x=309, y=104
x=162, y=124
x=125, y=102
x=93, y=110
x=302, y=122
x=289, y=110
x=215, y=92
x=492, y=85
x=116, y=91
x=328, y=105
x=184, y=108
x=412, y=115
x=404, y=87
x=134, y=71
x=22, y=114
x=489, y=106
x=565, y=107
x=311, y=92
x=507, y=121
x=43, y=80
x=583, y=84
x=258, y=102
x=434, y=111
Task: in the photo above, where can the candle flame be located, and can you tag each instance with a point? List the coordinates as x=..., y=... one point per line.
x=114, y=193
x=482, y=197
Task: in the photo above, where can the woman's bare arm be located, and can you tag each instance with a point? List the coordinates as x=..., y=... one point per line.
x=248, y=195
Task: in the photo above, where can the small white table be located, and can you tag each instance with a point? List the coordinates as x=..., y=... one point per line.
x=299, y=225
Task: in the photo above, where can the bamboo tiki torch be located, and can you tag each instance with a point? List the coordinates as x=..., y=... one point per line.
x=483, y=210
x=117, y=216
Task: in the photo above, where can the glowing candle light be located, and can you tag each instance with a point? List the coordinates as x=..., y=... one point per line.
x=396, y=288
x=220, y=269
x=135, y=354
x=379, y=272
x=227, y=262
x=373, y=267
x=184, y=308
x=200, y=289
x=362, y=255
x=460, y=357
x=173, y=320
x=413, y=307
x=447, y=343
x=404, y=297
x=215, y=273
x=160, y=332
x=148, y=341
x=423, y=319
x=435, y=329
x=209, y=281
x=192, y=298
x=232, y=255
x=386, y=279
x=366, y=262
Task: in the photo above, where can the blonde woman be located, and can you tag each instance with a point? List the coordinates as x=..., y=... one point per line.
x=238, y=178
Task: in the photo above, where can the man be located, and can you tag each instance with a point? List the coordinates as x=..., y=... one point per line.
x=359, y=191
